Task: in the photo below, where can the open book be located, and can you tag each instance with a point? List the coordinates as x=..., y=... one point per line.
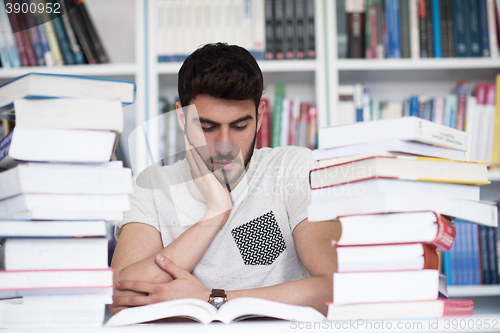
x=234, y=310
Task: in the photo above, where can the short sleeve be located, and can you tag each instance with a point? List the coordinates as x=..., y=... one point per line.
x=142, y=206
x=298, y=162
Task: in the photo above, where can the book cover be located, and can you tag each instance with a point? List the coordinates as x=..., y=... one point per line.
x=94, y=36
x=392, y=12
x=472, y=28
x=459, y=14
x=436, y=26
x=483, y=28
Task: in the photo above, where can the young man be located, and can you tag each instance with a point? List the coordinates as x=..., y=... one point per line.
x=228, y=216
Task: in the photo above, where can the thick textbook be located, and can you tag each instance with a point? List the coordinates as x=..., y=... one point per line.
x=54, y=178
x=479, y=212
x=394, y=146
x=17, y=313
x=404, y=128
x=52, y=229
x=55, y=145
x=400, y=167
x=20, y=254
x=66, y=113
x=56, y=282
x=204, y=312
x=394, y=310
x=81, y=206
x=397, y=228
x=38, y=85
x=382, y=185
x=382, y=258
x=376, y=287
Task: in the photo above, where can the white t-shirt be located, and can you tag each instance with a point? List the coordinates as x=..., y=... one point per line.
x=255, y=247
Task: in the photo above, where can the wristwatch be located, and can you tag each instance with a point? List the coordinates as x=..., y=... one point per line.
x=217, y=298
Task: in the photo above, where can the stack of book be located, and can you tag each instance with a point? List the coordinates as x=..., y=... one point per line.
x=58, y=189
x=395, y=186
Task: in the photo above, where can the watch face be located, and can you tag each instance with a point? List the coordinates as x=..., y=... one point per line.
x=217, y=302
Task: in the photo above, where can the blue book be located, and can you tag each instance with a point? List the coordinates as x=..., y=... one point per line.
x=393, y=28
x=414, y=106
x=492, y=255
x=436, y=26
x=475, y=255
x=62, y=37
x=450, y=111
x=459, y=28
x=483, y=28
x=8, y=36
x=459, y=262
x=34, y=36
x=447, y=266
x=472, y=32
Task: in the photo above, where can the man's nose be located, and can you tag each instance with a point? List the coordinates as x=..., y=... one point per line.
x=223, y=145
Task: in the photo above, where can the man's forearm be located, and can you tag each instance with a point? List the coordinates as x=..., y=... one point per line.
x=313, y=291
x=186, y=251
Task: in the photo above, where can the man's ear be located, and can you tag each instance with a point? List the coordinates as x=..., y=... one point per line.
x=260, y=112
x=181, y=118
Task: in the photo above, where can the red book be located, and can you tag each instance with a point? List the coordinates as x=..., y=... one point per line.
x=312, y=132
x=26, y=40
x=437, y=308
x=303, y=126
x=462, y=90
x=397, y=228
x=264, y=134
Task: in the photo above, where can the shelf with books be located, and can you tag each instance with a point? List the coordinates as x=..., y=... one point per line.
x=471, y=291
x=416, y=64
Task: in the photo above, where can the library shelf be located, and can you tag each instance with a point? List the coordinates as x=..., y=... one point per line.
x=416, y=64
x=471, y=291
x=85, y=70
x=267, y=66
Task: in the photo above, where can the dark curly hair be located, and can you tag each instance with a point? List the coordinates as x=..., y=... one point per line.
x=220, y=70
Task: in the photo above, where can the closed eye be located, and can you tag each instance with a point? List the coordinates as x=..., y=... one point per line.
x=240, y=128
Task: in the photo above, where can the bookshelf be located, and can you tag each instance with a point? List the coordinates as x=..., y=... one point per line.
x=473, y=291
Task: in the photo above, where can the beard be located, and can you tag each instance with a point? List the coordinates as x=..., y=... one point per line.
x=232, y=175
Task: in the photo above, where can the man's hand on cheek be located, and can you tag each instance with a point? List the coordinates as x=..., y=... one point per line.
x=184, y=285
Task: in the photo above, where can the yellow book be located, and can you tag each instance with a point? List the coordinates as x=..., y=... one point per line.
x=495, y=160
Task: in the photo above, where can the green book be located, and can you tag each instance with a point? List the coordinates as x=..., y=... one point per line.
x=279, y=94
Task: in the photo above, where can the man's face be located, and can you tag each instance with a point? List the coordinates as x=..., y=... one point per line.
x=229, y=130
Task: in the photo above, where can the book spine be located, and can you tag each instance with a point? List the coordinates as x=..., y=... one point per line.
x=247, y=32
x=52, y=41
x=498, y=251
x=310, y=36
x=422, y=10
x=492, y=29
x=355, y=35
x=431, y=259
x=368, y=24
x=10, y=42
x=47, y=55
x=285, y=122
x=270, y=13
x=445, y=235
x=25, y=36
x=495, y=154
x=374, y=18
x=485, y=267
x=5, y=145
x=414, y=30
x=21, y=49
x=475, y=255
x=341, y=29
x=302, y=128
x=492, y=255
x=75, y=47
x=381, y=29
x=393, y=28
x=430, y=28
x=33, y=36
x=447, y=266
x=483, y=28
x=279, y=29
x=265, y=127
x=436, y=25
x=404, y=9
x=277, y=112
x=443, y=23
x=81, y=34
x=300, y=52
x=312, y=131
x=462, y=91
x=4, y=53
x=100, y=51
x=459, y=25
x=460, y=263
x=259, y=29
x=472, y=28
x=450, y=33
x=458, y=307
x=289, y=29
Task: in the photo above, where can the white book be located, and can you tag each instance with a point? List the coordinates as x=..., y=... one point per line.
x=470, y=128
x=15, y=314
x=55, y=145
x=259, y=28
x=379, y=185
x=70, y=86
x=56, y=282
x=479, y=212
x=204, y=312
x=414, y=30
x=374, y=287
x=396, y=146
x=35, y=178
x=347, y=109
x=58, y=215
x=66, y=113
x=405, y=128
x=80, y=204
x=28, y=229
x=489, y=123
x=248, y=38
x=20, y=254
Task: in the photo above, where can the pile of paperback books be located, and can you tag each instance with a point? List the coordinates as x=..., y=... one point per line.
x=395, y=186
x=58, y=189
